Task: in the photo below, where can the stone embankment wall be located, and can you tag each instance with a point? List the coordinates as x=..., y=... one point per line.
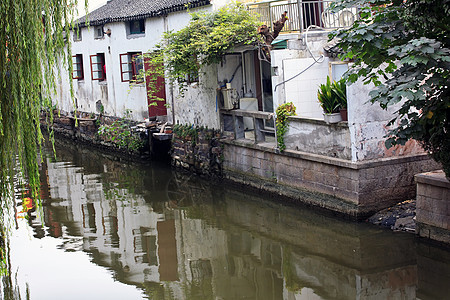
x=433, y=206
x=197, y=150
x=84, y=128
x=356, y=189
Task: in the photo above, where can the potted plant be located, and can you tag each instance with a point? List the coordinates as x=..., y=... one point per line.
x=339, y=88
x=329, y=102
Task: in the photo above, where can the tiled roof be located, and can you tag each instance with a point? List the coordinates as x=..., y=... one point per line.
x=128, y=10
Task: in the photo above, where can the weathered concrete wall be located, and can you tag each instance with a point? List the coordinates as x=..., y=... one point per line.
x=317, y=137
x=355, y=189
x=367, y=123
x=433, y=206
x=197, y=104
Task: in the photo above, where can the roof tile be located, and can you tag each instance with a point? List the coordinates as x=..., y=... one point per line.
x=127, y=10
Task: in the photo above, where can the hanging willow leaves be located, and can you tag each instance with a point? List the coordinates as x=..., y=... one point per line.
x=32, y=39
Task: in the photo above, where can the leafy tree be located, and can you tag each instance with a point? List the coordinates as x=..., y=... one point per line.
x=403, y=47
x=32, y=37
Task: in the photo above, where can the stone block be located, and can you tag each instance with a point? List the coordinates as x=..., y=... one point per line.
x=347, y=195
x=421, y=189
x=323, y=188
x=367, y=174
x=446, y=194
x=344, y=184
x=423, y=203
x=290, y=180
x=438, y=206
x=434, y=192
x=354, y=185
x=287, y=170
x=348, y=173
x=429, y=218
x=422, y=231
x=269, y=156
x=367, y=186
x=438, y=235
x=309, y=175
x=331, y=180
x=258, y=154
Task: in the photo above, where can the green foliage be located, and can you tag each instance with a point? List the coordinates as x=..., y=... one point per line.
x=327, y=98
x=188, y=131
x=204, y=41
x=332, y=96
x=403, y=48
x=339, y=89
x=121, y=134
x=32, y=38
x=283, y=112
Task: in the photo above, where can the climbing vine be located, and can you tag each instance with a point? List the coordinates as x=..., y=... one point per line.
x=204, y=41
x=283, y=112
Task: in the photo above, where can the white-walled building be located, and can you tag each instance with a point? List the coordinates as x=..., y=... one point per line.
x=106, y=61
x=106, y=53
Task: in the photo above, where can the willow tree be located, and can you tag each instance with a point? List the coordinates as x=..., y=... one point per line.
x=32, y=38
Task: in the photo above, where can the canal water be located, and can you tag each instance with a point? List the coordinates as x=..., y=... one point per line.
x=109, y=229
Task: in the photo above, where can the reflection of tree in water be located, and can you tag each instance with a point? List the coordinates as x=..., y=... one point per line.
x=8, y=287
x=189, y=191
x=178, y=190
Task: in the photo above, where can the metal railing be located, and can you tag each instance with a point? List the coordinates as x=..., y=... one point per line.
x=302, y=14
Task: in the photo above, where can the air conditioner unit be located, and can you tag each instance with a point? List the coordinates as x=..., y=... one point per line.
x=229, y=95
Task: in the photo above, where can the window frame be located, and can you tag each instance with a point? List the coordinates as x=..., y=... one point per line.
x=193, y=77
x=141, y=24
x=133, y=68
x=79, y=67
x=102, y=66
x=99, y=36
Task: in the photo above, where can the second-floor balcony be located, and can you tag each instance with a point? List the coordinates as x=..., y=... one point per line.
x=302, y=14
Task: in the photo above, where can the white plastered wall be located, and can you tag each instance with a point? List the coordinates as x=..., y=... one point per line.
x=115, y=96
x=366, y=121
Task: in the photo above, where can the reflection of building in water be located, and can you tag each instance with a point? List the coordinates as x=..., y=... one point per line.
x=118, y=228
x=201, y=251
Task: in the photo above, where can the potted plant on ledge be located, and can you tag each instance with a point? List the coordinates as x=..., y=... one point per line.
x=329, y=102
x=339, y=88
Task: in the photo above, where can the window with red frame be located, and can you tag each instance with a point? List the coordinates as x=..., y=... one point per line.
x=132, y=67
x=77, y=63
x=98, y=68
